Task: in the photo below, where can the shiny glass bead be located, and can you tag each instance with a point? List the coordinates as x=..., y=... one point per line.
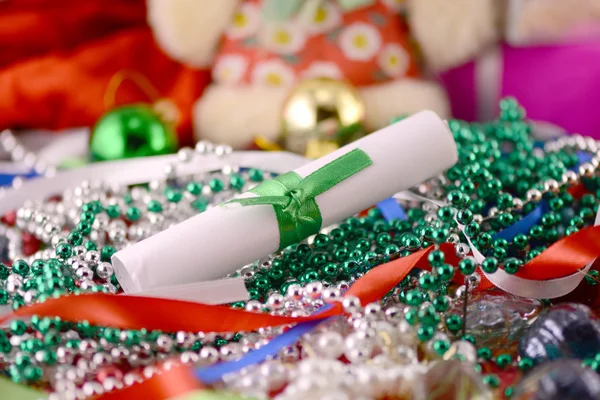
x=559, y=380
x=565, y=331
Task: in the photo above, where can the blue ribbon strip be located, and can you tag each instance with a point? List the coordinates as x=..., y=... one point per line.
x=524, y=225
x=210, y=375
x=6, y=179
x=390, y=209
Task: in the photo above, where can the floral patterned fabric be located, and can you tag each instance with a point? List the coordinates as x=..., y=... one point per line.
x=367, y=45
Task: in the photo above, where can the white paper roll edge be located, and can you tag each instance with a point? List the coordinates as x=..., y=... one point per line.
x=223, y=239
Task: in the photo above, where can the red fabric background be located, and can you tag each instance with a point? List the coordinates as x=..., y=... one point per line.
x=57, y=57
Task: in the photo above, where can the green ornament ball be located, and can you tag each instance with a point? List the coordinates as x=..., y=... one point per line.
x=131, y=131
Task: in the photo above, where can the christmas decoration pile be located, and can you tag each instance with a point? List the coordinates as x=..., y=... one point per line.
x=397, y=302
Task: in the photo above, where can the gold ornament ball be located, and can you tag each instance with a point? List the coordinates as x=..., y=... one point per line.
x=316, y=112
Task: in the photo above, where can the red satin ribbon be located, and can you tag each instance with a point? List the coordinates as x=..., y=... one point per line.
x=133, y=312
x=128, y=312
x=170, y=383
x=563, y=258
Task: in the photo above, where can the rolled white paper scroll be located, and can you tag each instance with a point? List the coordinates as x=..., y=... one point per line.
x=223, y=239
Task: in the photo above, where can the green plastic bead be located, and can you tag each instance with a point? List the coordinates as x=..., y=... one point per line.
x=491, y=380
x=425, y=332
x=436, y=258
x=133, y=214
x=200, y=204
x=440, y=347
x=107, y=252
x=503, y=360
x=413, y=297
x=445, y=272
x=20, y=267
x=428, y=316
x=64, y=251
x=194, y=188
x=489, y=265
x=484, y=353
x=411, y=316
x=4, y=271
x=512, y=265
x=18, y=327
x=509, y=391
x=441, y=303
x=216, y=185
x=154, y=206
x=255, y=175
x=75, y=238
x=467, y=266
x=454, y=323
x=236, y=182
x=173, y=196
x=113, y=211
x=592, y=277
x=525, y=364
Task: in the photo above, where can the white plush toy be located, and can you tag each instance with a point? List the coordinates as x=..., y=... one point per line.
x=259, y=50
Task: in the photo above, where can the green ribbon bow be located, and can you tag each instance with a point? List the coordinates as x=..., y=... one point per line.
x=293, y=198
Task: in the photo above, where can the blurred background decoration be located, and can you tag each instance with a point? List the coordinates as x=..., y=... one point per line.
x=301, y=75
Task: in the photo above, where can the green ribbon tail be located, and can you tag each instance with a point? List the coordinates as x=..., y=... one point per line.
x=281, y=201
x=335, y=172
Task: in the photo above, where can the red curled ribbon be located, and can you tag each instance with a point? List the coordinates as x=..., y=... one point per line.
x=167, y=384
x=133, y=312
x=563, y=258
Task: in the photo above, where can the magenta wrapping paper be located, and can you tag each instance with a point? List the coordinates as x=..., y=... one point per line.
x=558, y=84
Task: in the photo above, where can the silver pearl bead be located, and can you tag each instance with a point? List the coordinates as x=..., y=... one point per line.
x=184, y=339
x=254, y=306
x=92, y=389
x=275, y=301
x=230, y=351
x=372, y=310
x=92, y=257
x=203, y=147
x=170, y=171
x=185, y=154
x=294, y=292
x=111, y=383
x=351, y=304
x=132, y=377
x=586, y=170
x=84, y=273
x=79, y=251
x=164, y=343
x=534, y=195
x=313, y=290
x=209, y=354
x=331, y=294
x=104, y=270
x=119, y=353
x=64, y=355
x=102, y=359
x=462, y=250
x=551, y=185
x=189, y=357
x=86, y=284
x=517, y=203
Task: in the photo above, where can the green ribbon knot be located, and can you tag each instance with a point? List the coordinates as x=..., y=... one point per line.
x=293, y=198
